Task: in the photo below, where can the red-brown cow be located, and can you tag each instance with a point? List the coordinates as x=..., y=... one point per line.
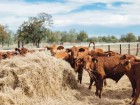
x=132, y=70
x=89, y=68
x=102, y=67
x=21, y=51
x=54, y=49
x=79, y=62
x=63, y=55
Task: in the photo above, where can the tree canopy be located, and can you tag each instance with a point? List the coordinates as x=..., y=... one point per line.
x=35, y=29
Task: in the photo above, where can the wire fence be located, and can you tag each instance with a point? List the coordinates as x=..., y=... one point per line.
x=122, y=48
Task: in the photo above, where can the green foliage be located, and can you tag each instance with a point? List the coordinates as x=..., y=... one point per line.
x=54, y=37
x=130, y=37
x=92, y=39
x=109, y=39
x=34, y=30
x=3, y=34
x=138, y=38
x=82, y=36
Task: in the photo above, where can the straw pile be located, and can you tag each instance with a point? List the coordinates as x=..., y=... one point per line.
x=33, y=79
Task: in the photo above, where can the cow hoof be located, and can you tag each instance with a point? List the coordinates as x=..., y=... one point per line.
x=89, y=87
x=132, y=103
x=96, y=93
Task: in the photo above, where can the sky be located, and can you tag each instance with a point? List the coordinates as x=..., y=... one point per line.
x=96, y=17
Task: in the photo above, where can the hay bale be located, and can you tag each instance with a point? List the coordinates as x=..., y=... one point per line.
x=27, y=80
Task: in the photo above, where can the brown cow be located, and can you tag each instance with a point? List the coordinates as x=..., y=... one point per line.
x=79, y=62
x=77, y=52
x=111, y=53
x=132, y=70
x=96, y=51
x=54, y=49
x=63, y=55
x=89, y=68
x=102, y=67
x=21, y=51
x=79, y=65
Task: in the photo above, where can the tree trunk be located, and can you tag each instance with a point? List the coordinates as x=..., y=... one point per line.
x=18, y=44
x=8, y=43
x=38, y=42
x=22, y=44
x=2, y=42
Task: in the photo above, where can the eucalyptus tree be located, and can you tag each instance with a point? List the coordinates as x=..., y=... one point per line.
x=3, y=34
x=35, y=29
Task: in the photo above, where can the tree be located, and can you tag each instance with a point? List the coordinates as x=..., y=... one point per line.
x=54, y=37
x=9, y=38
x=72, y=35
x=92, y=39
x=82, y=36
x=3, y=34
x=138, y=38
x=35, y=29
x=64, y=37
x=130, y=37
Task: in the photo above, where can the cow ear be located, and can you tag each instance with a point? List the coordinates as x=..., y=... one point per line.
x=81, y=50
x=123, y=57
x=127, y=62
x=68, y=50
x=94, y=60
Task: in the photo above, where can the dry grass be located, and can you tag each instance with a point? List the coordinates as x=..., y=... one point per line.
x=28, y=80
x=39, y=79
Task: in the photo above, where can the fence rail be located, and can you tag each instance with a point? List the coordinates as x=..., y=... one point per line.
x=122, y=48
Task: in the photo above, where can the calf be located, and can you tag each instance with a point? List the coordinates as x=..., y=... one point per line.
x=132, y=70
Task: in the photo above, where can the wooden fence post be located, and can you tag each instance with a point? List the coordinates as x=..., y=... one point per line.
x=137, y=52
x=108, y=47
x=120, y=49
x=128, y=48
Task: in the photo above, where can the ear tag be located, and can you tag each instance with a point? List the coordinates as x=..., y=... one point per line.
x=95, y=61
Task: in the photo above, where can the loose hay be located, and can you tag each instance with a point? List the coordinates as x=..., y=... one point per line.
x=39, y=79
x=28, y=80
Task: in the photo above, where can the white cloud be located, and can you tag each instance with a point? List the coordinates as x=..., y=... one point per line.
x=16, y=12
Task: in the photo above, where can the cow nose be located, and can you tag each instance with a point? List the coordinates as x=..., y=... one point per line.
x=86, y=68
x=75, y=57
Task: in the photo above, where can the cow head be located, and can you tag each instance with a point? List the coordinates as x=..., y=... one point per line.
x=60, y=47
x=88, y=63
x=123, y=66
x=81, y=50
x=79, y=64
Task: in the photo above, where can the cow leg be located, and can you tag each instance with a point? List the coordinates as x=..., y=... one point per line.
x=97, y=88
x=135, y=98
x=100, y=87
x=105, y=82
x=80, y=76
x=133, y=88
x=91, y=82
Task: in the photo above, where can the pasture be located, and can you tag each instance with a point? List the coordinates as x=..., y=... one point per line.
x=40, y=79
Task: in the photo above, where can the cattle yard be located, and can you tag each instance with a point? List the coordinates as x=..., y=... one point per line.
x=37, y=78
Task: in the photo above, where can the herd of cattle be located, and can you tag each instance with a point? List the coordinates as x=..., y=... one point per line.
x=99, y=65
